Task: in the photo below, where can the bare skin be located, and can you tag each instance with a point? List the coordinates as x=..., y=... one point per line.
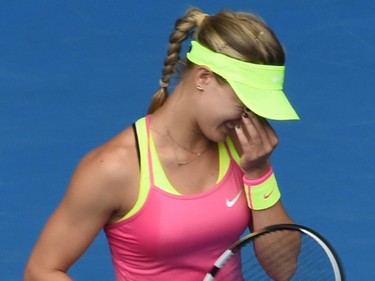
x=104, y=186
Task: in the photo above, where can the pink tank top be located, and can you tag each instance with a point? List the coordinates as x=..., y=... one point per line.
x=178, y=237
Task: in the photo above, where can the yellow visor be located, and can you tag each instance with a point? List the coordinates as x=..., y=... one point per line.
x=258, y=86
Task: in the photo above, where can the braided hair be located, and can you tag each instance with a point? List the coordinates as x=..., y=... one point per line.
x=240, y=35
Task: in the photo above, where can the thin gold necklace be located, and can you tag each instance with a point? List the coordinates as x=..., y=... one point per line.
x=172, y=141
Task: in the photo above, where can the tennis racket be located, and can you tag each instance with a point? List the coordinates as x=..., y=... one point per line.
x=278, y=252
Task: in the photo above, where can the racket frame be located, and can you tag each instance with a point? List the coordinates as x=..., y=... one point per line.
x=332, y=256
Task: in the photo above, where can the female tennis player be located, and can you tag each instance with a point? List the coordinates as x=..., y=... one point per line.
x=177, y=188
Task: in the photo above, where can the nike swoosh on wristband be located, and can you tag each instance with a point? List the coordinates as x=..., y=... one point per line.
x=268, y=195
x=231, y=203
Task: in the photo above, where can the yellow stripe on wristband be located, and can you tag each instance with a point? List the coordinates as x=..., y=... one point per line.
x=263, y=195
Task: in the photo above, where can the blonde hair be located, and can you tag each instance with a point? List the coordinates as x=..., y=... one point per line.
x=240, y=35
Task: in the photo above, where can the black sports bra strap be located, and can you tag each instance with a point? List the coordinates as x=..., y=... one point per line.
x=137, y=144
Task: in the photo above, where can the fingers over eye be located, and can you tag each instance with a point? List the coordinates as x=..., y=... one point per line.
x=258, y=130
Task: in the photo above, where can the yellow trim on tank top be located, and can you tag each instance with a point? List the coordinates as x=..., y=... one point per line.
x=160, y=178
x=144, y=185
x=233, y=150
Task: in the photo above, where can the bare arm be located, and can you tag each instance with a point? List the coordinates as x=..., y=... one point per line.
x=256, y=140
x=91, y=200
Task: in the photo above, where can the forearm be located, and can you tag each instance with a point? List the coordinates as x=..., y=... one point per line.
x=35, y=273
x=276, y=252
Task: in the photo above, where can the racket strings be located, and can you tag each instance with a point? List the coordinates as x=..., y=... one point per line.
x=313, y=263
x=280, y=261
x=276, y=256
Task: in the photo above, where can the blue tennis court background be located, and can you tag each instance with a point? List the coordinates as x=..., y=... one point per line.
x=75, y=73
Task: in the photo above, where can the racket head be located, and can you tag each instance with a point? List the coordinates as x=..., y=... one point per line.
x=281, y=252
